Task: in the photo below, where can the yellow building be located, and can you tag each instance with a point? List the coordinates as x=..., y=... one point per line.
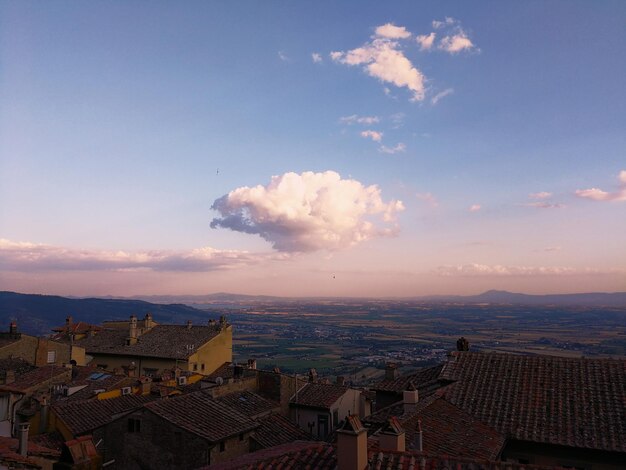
x=147, y=348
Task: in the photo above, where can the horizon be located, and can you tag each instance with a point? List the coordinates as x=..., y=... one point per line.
x=312, y=150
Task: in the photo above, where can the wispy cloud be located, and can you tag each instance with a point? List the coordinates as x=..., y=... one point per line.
x=355, y=119
x=392, y=31
x=475, y=208
x=316, y=57
x=383, y=59
x=282, y=56
x=596, y=194
x=435, y=99
x=27, y=256
x=309, y=211
x=455, y=38
x=476, y=269
x=426, y=41
x=545, y=205
x=446, y=22
x=398, y=148
x=540, y=195
x=374, y=135
x=428, y=198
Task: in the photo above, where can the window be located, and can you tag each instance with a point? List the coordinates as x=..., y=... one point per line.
x=195, y=366
x=202, y=367
x=52, y=357
x=134, y=425
x=335, y=418
x=149, y=371
x=222, y=446
x=322, y=425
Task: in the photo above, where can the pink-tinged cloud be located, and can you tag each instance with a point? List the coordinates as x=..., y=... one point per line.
x=540, y=195
x=392, y=31
x=374, y=135
x=309, y=211
x=596, y=194
x=475, y=208
x=383, y=59
x=476, y=269
x=428, y=198
x=545, y=205
x=356, y=119
x=398, y=148
x=426, y=41
x=26, y=256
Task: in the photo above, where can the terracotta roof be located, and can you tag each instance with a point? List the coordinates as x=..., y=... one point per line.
x=7, y=340
x=248, y=403
x=17, y=364
x=448, y=430
x=41, y=375
x=275, y=430
x=164, y=341
x=420, y=378
x=51, y=440
x=82, y=416
x=9, y=454
x=293, y=456
x=79, y=327
x=318, y=395
x=199, y=414
x=576, y=402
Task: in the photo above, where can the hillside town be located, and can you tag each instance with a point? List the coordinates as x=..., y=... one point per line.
x=141, y=395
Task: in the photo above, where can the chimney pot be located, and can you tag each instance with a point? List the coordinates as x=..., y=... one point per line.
x=23, y=438
x=252, y=364
x=189, y=324
x=419, y=444
x=352, y=445
x=13, y=328
x=393, y=437
x=391, y=371
x=312, y=375
x=341, y=380
x=410, y=398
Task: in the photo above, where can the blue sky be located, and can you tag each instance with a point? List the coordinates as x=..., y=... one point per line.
x=122, y=124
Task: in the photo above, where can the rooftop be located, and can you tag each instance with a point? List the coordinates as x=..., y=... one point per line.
x=575, y=402
x=209, y=419
x=420, y=379
x=163, y=341
x=248, y=403
x=275, y=430
x=83, y=416
x=41, y=375
x=318, y=395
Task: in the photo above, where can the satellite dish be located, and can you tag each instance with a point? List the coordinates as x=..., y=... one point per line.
x=219, y=381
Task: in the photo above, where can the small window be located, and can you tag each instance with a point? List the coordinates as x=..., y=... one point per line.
x=134, y=425
x=52, y=357
x=202, y=367
x=195, y=367
x=222, y=446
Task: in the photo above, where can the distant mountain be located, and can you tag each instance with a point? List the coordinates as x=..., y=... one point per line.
x=593, y=299
x=37, y=314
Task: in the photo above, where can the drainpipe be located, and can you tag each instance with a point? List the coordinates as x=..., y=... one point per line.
x=23, y=439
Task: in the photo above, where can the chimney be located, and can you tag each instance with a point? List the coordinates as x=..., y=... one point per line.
x=9, y=378
x=44, y=413
x=341, y=380
x=392, y=436
x=252, y=364
x=391, y=371
x=418, y=444
x=147, y=321
x=312, y=375
x=410, y=397
x=352, y=445
x=189, y=324
x=22, y=448
x=13, y=328
x=146, y=385
x=238, y=371
x=462, y=344
x=132, y=330
x=69, y=321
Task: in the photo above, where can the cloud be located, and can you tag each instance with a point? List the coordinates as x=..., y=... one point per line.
x=426, y=41
x=400, y=147
x=545, y=205
x=316, y=57
x=474, y=208
x=435, y=99
x=282, y=56
x=596, y=194
x=446, y=22
x=374, y=135
x=309, y=211
x=476, y=269
x=552, y=248
x=540, y=195
x=26, y=256
x=354, y=119
x=428, y=198
x=392, y=31
x=381, y=58
x=456, y=43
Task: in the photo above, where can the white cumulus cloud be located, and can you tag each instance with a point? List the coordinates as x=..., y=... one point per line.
x=309, y=211
x=426, y=41
x=597, y=194
x=392, y=31
x=316, y=57
x=374, y=135
x=383, y=59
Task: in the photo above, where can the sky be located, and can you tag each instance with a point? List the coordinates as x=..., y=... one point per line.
x=312, y=148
